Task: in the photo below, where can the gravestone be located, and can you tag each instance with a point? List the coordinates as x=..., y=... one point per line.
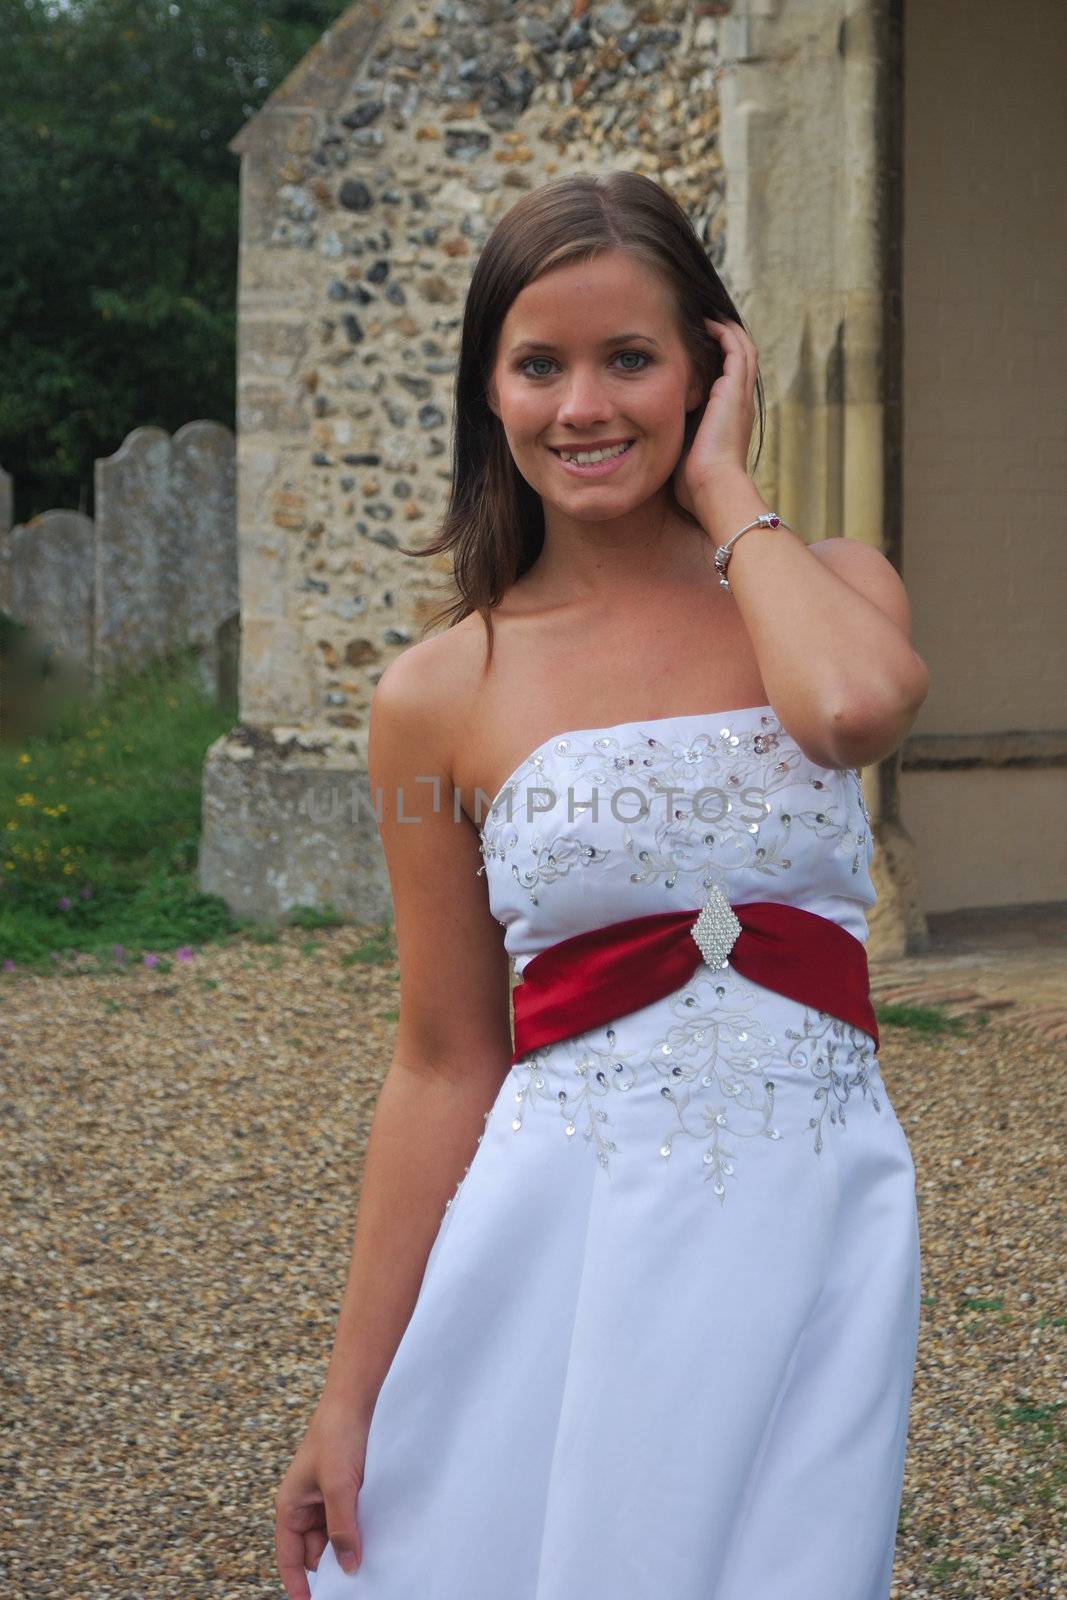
x=6, y=503
x=166, y=547
x=49, y=575
x=46, y=597
x=203, y=541
x=137, y=595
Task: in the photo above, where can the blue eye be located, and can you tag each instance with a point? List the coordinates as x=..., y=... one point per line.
x=640, y=354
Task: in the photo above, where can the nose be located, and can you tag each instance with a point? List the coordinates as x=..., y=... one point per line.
x=585, y=401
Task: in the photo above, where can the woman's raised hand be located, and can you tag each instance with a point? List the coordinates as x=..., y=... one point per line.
x=316, y=1502
x=721, y=442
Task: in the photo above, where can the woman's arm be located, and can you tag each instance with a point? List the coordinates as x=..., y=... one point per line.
x=453, y=1042
x=829, y=623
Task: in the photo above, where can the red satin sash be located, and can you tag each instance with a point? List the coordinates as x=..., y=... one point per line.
x=594, y=977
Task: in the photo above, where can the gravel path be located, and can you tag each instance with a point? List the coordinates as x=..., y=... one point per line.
x=182, y=1158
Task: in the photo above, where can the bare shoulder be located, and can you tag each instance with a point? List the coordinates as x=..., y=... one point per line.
x=421, y=694
x=869, y=572
x=454, y=984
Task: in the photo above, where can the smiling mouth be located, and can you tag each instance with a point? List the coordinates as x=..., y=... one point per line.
x=593, y=456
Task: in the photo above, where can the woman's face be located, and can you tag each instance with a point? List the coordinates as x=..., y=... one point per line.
x=589, y=357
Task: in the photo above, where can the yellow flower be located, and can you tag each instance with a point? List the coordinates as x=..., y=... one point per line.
x=9, y=866
x=69, y=868
x=61, y=808
x=12, y=827
x=24, y=800
x=24, y=759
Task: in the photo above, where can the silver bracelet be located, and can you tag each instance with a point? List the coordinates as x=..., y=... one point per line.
x=769, y=519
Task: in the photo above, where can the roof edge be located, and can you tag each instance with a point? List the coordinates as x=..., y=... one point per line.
x=320, y=78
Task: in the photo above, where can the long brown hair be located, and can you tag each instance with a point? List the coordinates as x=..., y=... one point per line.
x=494, y=524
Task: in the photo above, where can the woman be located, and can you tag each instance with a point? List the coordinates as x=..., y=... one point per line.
x=658, y=1338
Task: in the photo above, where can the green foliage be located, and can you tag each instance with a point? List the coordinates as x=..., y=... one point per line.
x=119, y=200
x=923, y=1019
x=378, y=950
x=312, y=917
x=100, y=822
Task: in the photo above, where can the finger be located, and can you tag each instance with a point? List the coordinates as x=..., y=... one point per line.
x=735, y=364
x=736, y=335
x=289, y=1554
x=298, y=1543
x=752, y=359
x=736, y=331
x=746, y=367
x=341, y=1525
x=314, y=1544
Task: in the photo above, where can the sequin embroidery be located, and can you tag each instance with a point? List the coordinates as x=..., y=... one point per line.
x=704, y=805
x=713, y=1068
x=715, y=808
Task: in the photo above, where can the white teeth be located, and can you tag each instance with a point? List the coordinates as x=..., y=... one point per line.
x=587, y=457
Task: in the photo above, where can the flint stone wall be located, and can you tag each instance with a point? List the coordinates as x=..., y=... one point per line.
x=370, y=182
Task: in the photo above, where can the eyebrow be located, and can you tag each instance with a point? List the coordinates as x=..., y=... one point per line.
x=615, y=338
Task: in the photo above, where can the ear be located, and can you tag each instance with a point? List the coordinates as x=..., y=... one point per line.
x=491, y=395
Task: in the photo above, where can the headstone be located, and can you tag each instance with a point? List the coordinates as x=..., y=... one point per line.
x=6, y=500
x=203, y=533
x=49, y=581
x=136, y=593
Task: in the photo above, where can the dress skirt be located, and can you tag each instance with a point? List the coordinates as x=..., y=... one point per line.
x=665, y=1338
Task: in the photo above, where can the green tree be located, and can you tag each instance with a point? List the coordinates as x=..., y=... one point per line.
x=119, y=218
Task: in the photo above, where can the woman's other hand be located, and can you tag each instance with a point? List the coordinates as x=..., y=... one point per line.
x=721, y=442
x=316, y=1502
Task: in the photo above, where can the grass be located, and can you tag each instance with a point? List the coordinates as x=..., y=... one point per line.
x=100, y=825
x=1038, y=1431
x=923, y=1019
x=378, y=951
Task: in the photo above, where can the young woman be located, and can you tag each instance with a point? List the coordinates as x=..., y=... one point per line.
x=633, y=1301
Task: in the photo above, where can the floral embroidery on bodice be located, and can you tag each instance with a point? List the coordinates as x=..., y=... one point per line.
x=601, y=824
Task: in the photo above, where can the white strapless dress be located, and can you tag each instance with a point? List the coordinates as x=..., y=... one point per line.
x=664, y=1343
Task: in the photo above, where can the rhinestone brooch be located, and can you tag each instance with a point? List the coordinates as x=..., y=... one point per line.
x=716, y=929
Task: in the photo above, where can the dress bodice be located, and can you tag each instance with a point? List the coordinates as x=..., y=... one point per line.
x=601, y=824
